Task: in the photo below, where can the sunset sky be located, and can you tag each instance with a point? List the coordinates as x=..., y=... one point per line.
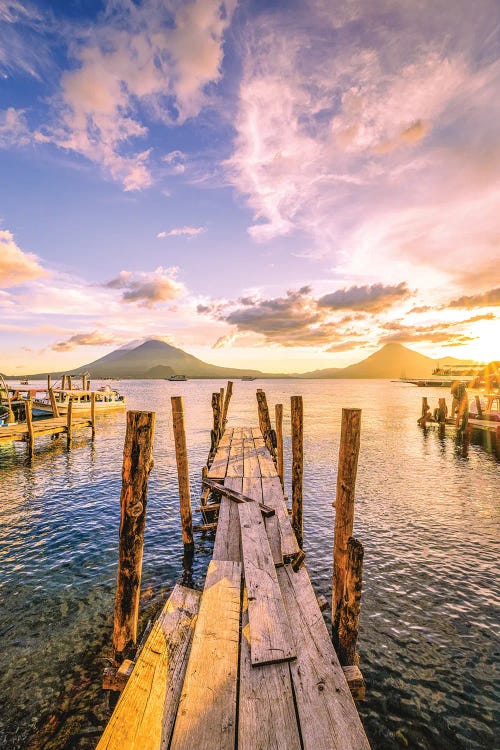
x=282, y=185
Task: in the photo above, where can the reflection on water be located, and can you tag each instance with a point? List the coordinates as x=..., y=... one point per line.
x=428, y=519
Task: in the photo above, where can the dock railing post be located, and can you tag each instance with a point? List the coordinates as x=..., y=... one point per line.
x=29, y=425
x=49, y=382
x=278, y=412
x=53, y=403
x=349, y=615
x=69, y=421
x=92, y=412
x=137, y=464
x=344, y=508
x=182, y=470
x=297, y=423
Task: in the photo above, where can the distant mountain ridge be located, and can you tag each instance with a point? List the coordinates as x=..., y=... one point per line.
x=156, y=359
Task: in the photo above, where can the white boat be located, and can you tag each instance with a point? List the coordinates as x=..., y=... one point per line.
x=106, y=400
x=177, y=378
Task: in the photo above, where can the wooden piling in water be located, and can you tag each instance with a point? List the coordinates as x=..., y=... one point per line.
x=182, y=469
x=229, y=393
x=29, y=424
x=278, y=413
x=137, y=464
x=69, y=423
x=344, y=508
x=349, y=615
x=92, y=412
x=297, y=426
x=265, y=421
x=49, y=382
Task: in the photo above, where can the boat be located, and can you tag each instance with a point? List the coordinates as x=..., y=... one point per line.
x=248, y=377
x=25, y=381
x=177, y=378
x=480, y=376
x=106, y=400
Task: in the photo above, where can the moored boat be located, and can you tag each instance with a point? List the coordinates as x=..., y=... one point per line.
x=177, y=378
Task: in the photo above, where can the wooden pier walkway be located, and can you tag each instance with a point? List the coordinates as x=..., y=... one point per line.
x=249, y=662
x=22, y=432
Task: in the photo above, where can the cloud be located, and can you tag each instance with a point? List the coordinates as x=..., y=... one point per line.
x=373, y=298
x=14, y=130
x=16, y=266
x=95, y=338
x=224, y=342
x=150, y=59
x=149, y=289
x=378, y=146
x=182, y=232
x=490, y=298
x=294, y=319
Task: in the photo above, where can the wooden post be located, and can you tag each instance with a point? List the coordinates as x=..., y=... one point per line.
x=229, y=393
x=92, y=412
x=88, y=384
x=221, y=392
x=442, y=412
x=29, y=425
x=182, y=469
x=297, y=466
x=344, y=507
x=217, y=416
x=137, y=463
x=84, y=385
x=49, y=382
x=63, y=382
x=53, y=403
x=479, y=407
x=265, y=421
x=349, y=615
x=70, y=383
x=278, y=411
x=69, y=421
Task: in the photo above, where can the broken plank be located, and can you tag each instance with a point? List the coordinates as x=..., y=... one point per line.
x=227, y=539
x=148, y=705
x=319, y=684
x=266, y=711
x=272, y=493
x=271, y=638
x=218, y=467
x=237, y=497
x=206, y=717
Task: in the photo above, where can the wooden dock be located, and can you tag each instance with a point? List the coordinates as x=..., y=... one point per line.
x=30, y=430
x=248, y=663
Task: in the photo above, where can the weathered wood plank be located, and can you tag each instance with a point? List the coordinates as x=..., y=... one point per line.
x=227, y=539
x=147, y=708
x=251, y=466
x=266, y=711
x=219, y=464
x=273, y=496
x=266, y=463
x=271, y=638
x=206, y=718
x=252, y=487
x=320, y=687
x=235, y=462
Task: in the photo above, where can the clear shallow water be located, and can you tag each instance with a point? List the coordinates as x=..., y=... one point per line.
x=428, y=519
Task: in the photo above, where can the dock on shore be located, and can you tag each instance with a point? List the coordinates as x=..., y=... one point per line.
x=249, y=662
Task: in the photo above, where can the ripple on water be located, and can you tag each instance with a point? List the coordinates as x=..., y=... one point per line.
x=427, y=519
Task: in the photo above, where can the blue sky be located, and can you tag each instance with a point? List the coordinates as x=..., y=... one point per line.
x=286, y=185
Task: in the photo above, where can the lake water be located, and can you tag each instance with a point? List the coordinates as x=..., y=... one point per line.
x=427, y=517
